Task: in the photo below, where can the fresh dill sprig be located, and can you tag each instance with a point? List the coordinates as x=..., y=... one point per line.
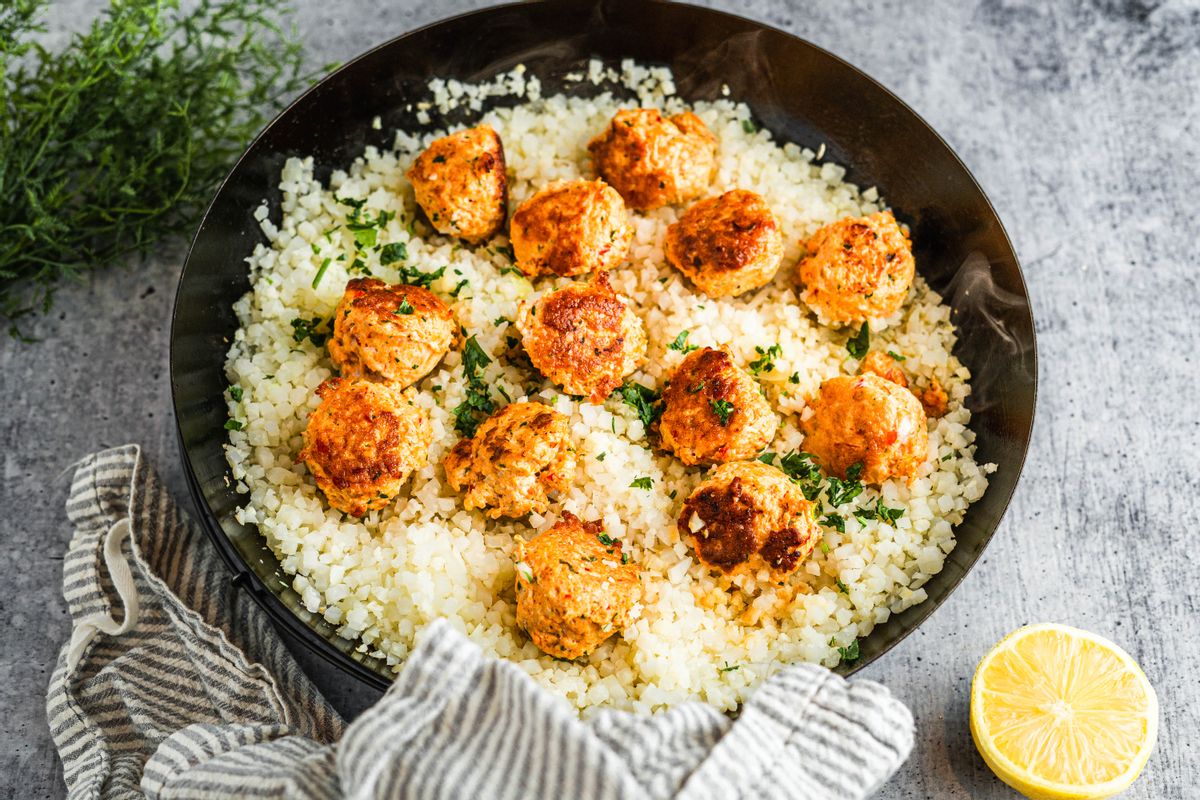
x=117, y=140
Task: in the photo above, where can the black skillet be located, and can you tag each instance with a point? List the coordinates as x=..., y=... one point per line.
x=800, y=92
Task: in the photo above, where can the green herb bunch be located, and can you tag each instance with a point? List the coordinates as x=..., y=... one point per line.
x=118, y=140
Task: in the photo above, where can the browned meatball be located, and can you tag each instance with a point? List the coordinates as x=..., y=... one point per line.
x=866, y=420
x=461, y=184
x=569, y=228
x=653, y=160
x=395, y=332
x=713, y=412
x=363, y=441
x=884, y=366
x=517, y=456
x=583, y=337
x=575, y=588
x=749, y=513
x=726, y=245
x=857, y=269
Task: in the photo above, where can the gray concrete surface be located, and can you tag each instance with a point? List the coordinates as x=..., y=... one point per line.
x=1080, y=119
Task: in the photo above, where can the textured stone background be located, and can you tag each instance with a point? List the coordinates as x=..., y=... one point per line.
x=1082, y=122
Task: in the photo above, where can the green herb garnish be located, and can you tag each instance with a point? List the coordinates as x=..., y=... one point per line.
x=749, y=127
x=405, y=307
x=642, y=483
x=766, y=359
x=605, y=539
x=723, y=409
x=393, y=252
x=234, y=425
x=415, y=277
x=860, y=343
x=896, y=357
x=849, y=654
x=321, y=272
x=729, y=667
x=642, y=399
x=767, y=457
x=307, y=329
x=835, y=521
x=478, y=400
x=841, y=586
x=680, y=344
x=235, y=392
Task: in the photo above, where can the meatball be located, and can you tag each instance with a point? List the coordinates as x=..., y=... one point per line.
x=884, y=366
x=726, y=245
x=461, y=184
x=866, y=420
x=583, y=337
x=574, y=588
x=857, y=269
x=363, y=441
x=934, y=399
x=713, y=412
x=398, y=333
x=749, y=513
x=653, y=160
x=569, y=228
x=517, y=456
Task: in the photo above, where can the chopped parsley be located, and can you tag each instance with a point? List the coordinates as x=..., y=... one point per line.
x=512, y=269
x=391, y=253
x=605, y=539
x=748, y=126
x=825, y=547
x=478, y=400
x=235, y=392
x=234, y=424
x=766, y=359
x=794, y=377
x=841, y=586
x=642, y=483
x=641, y=399
x=860, y=343
x=896, y=357
x=767, y=457
x=843, y=491
x=680, y=344
x=501, y=321
x=729, y=667
x=835, y=521
x=307, y=329
x=458, y=287
x=601, y=456
x=415, y=277
x=849, y=654
x=801, y=469
x=880, y=512
x=404, y=308
x=723, y=409
x=624, y=558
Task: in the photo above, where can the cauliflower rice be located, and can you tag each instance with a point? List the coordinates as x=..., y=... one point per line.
x=697, y=634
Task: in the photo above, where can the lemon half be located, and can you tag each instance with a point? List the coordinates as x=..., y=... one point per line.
x=1057, y=712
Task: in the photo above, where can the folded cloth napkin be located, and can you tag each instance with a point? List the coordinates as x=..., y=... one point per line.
x=174, y=685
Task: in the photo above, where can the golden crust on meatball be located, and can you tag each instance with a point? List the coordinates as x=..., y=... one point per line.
x=517, y=456
x=726, y=245
x=884, y=366
x=461, y=184
x=398, y=333
x=857, y=269
x=866, y=420
x=583, y=337
x=363, y=441
x=653, y=160
x=749, y=513
x=573, y=589
x=713, y=412
x=569, y=228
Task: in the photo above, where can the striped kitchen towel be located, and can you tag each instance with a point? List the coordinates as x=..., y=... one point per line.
x=174, y=685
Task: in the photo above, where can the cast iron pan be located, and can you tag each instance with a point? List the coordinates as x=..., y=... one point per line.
x=800, y=92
